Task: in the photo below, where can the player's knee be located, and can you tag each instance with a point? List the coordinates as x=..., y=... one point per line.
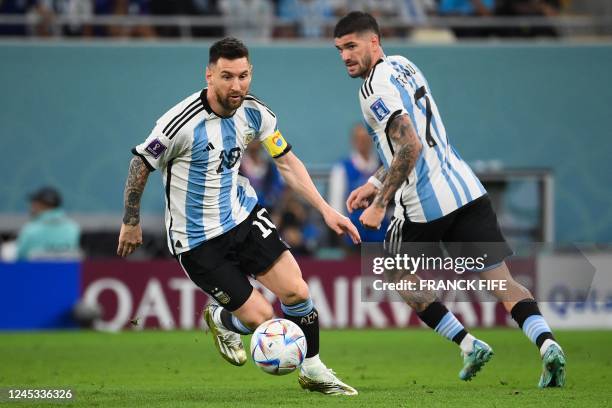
x=417, y=306
x=266, y=313
x=257, y=317
x=298, y=293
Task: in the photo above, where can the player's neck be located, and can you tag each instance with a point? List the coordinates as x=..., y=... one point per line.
x=217, y=108
x=376, y=56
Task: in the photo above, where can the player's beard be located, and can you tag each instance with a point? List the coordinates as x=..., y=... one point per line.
x=364, y=66
x=228, y=104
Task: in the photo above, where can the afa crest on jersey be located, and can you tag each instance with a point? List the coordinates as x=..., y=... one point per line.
x=249, y=135
x=380, y=109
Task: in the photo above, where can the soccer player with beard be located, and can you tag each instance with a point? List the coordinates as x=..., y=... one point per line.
x=437, y=196
x=215, y=228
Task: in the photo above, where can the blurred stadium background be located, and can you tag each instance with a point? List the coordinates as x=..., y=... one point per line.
x=523, y=87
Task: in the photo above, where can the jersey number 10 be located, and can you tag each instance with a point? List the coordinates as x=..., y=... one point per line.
x=262, y=218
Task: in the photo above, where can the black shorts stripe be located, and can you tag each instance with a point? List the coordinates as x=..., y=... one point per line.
x=186, y=120
x=176, y=118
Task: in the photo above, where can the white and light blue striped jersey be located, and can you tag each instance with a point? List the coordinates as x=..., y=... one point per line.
x=441, y=181
x=199, y=155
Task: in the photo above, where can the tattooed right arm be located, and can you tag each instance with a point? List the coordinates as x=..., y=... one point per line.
x=381, y=174
x=130, y=236
x=134, y=187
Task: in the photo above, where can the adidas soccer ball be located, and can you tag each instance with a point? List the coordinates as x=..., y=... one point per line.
x=278, y=346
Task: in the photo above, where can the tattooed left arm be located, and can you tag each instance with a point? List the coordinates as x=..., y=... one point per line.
x=405, y=138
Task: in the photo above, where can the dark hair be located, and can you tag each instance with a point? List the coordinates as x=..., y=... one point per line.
x=356, y=22
x=229, y=48
x=47, y=196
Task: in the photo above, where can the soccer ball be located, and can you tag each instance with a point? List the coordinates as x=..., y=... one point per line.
x=278, y=346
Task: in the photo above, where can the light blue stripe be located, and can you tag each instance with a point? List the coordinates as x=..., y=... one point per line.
x=300, y=309
x=409, y=107
x=427, y=196
x=449, y=326
x=254, y=118
x=480, y=186
x=228, y=134
x=376, y=140
x=455, y=331
x=448, y=317
x=534, y=326
x=464, y=186
x=246, y=202
x=240, y=326
x=196, y=187
x=441, y=144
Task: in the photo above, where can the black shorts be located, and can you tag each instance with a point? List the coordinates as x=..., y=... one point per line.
x=221, y=266
x=470, y=231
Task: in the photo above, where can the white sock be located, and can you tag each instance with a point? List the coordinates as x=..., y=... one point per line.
x=547, y=343
x=467, y=344
x=217, y=317
x=312, y=362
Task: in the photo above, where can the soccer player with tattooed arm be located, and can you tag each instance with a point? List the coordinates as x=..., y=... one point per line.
x=438, y=199
x=216, y=230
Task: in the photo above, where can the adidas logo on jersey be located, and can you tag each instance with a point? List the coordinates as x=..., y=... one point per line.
x=209, y=147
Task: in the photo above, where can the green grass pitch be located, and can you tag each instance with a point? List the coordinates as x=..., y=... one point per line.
x=390, y=368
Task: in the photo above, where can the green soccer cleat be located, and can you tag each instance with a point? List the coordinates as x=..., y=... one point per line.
x=474, y=361
x=322, y=379
x=553, y=368
x=228, y=343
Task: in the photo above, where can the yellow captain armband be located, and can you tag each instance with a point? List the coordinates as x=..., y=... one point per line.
x=275, y=145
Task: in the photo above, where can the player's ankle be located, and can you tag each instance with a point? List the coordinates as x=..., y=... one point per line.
x=547, y=343
x=312, y=362
x=467, y=344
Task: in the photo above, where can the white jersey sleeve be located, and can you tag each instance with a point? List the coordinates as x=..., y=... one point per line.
x=158, y=149
x=269, y=135
x=381, y=102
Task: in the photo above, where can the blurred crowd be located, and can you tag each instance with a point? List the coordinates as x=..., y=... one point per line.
x=261, y=19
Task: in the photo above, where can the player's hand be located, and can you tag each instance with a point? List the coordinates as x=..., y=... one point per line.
x=341, y=225
x=361, y=197
x=130, y=238
x=373, y=216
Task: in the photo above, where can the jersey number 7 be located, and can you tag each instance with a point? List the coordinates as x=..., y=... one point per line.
x=422, y=93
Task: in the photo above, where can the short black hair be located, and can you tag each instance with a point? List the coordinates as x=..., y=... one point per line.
x=356, y=22
x=229, y=48
x=48, y=196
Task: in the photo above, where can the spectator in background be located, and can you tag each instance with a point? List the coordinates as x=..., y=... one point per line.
x=126, y=8
x=206, y=8
x=352, y=172
x=50, y=234
x=409, y=12
x=249, y=19
x=309, y=16
x=295, y=225
x=468, y=8
x=78, y=13
x=263, y=176
x=18, y=7
x=532, y=8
